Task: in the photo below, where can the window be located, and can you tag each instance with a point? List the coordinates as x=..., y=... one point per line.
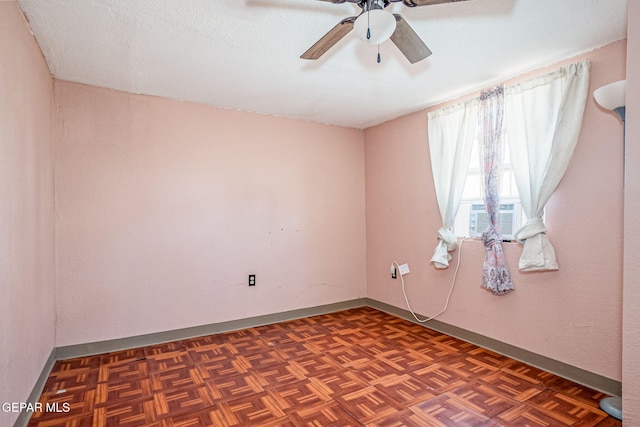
x=544, y=121
x=472, y=218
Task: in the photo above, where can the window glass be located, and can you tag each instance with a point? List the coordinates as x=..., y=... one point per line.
x=471, y=219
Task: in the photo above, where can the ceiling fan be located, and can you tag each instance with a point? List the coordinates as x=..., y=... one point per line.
x=376, y=25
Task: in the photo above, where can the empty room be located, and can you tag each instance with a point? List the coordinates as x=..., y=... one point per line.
x=319, y=213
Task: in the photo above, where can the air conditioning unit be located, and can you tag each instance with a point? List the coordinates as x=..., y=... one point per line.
x=479, y=220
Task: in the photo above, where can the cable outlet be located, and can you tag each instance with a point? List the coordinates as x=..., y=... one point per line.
x=252, y=280
x=403, y=269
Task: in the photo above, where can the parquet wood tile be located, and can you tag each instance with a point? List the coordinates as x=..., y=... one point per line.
x=246, y=347
x=445, y=410
x=258, y=409
x=375, y=371
x=178, y=378
x=220, y=367
x=517, y=387
x=242, y=335
x=324, y=343
x=80, y=403
x=282, y=374
x=390, y=331
x=452, y=344
x=204, y=341
x=404, y=389
x=576, y=391
x=358, y=367
x=330, y=415
x=77, y=364
x=124, y=355
x=559, y=405
x=182, y=401
x=72, y=380
x=530, y=416
x=307, y=333
x=123, y=371
x=378, y=347
x=212, y=416
x=303, y=394
x=439, y=377
x=128, y=413
x=482, y=399
x=68, y=420
x=304, y=322
x=486, y=357
x=435, y=351
x=237, y=386
x=413, y=342
x=337, y=383
x=405, y=360
x=405, y=418
x=210, y=352
x=348, y=357
x=314, y=365
x=296, y=350
x=262, y=359
x=129, y=389
x=369, y=404
x=469, y=367
x=529, y=373
x=168, y=361
x=163, y=348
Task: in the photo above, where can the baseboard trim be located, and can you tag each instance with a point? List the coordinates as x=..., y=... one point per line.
x=34, y=396
x=577, y=375
x=580, y=376
x=88, y=349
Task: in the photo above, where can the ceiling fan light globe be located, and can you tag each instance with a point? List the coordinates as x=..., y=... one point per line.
x=381, y=24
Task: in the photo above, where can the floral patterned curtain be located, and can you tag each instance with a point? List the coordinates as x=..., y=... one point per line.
x=495, y=271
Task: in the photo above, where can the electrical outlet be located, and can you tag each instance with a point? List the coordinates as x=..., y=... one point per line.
x=393, y=271
x=403, y=269
x=252, y=280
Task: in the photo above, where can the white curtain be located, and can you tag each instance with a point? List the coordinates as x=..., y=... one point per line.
x=543, y=118
x=451, y=134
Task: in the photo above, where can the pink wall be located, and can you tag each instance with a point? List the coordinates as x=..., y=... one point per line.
x=631, y=308
x=572, y=315
x=27, y=307
x=165, y=207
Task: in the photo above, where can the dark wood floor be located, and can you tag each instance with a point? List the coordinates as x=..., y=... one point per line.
x=351, y=368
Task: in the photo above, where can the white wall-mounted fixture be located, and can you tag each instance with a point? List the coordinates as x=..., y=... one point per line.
x=375, y=25
x=613, y=97
x=403, y=269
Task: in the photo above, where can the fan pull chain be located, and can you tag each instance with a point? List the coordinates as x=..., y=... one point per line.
x=379, y=57
x=368, y=20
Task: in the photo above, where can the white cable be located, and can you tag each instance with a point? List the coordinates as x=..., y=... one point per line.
x=453, y=283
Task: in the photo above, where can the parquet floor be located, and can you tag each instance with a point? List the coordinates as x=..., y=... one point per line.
x=359, y=367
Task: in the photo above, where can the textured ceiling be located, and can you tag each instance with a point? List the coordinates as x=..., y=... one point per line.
x=244, y=54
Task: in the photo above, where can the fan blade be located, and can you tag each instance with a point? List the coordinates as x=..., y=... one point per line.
x=414, y=3
x=409, y=43
x=328, y=40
